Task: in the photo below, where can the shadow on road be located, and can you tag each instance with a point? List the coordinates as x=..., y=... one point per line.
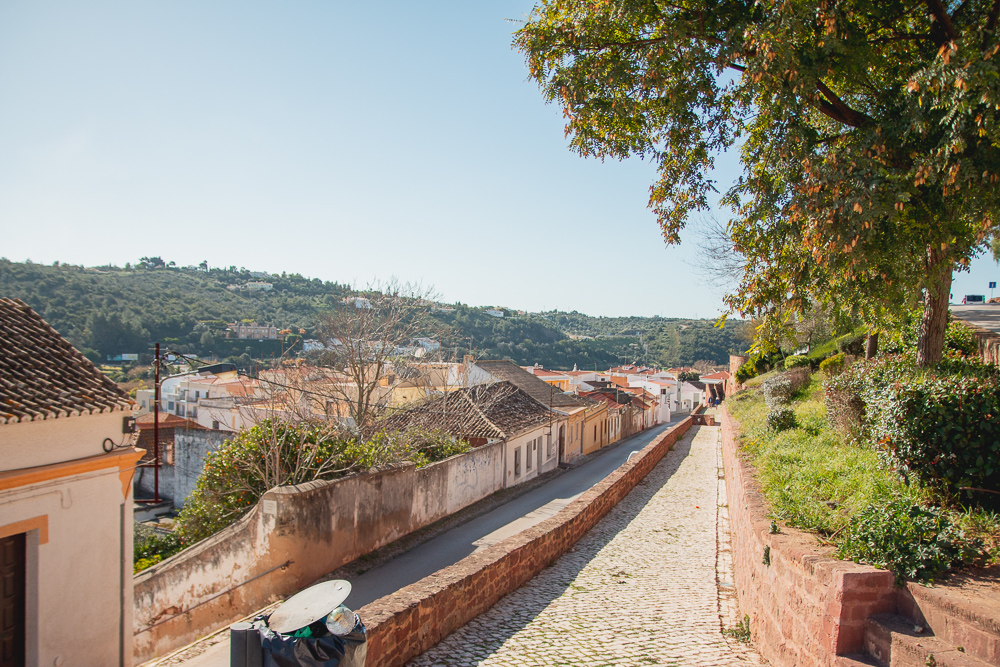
x=451, y=547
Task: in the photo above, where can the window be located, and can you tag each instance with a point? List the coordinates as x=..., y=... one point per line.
x=595, y=431
x=215, y=425
x=517, y=462
x=180, y=409
x=170, y=405
x=548, y=446
x=194, y=411
x=529, y=450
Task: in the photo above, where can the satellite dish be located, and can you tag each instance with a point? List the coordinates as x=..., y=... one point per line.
x=309, y=606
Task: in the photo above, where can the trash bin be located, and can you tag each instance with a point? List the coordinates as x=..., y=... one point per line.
x=297, y=634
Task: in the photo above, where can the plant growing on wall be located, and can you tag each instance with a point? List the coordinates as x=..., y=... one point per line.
x=276, y=453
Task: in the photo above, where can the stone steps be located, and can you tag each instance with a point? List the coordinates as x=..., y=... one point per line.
x=896, y=641
x=856, y=660
x=966, y=616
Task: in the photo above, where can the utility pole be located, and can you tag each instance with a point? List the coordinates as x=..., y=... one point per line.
x=156, y=426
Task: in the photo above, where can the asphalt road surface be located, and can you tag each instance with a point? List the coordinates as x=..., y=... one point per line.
x=452, y=546
x=987, y=316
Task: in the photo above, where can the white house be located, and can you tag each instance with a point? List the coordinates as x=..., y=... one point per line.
x=65, y=501
x=691, y=396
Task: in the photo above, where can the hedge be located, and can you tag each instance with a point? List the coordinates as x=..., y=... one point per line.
x=941, y=425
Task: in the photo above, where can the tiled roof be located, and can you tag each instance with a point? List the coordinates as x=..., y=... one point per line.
x=718, y=375
x=542, y=371
x=42, y=376
x=499, y=410
x=535, y=387
x=167, y=420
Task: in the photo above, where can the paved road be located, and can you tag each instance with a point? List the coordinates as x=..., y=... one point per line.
x=450, y=547
x=987, y=316
x=650, y=584
x=508, y=519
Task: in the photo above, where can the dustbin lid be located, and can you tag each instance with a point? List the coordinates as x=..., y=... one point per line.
x=309, y=606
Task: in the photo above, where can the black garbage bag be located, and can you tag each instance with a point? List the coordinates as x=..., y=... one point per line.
x=321, y=649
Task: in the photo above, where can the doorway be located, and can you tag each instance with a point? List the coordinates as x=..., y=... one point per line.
x=13, y=578
x=562, y=444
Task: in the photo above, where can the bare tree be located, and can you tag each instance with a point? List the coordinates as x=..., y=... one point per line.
x=363, y=338
x=813, y=325
x=717, y=259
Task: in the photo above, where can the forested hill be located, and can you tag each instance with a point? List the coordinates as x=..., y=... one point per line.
x=110, y=310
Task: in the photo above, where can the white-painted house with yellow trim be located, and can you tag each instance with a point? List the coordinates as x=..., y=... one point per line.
x=65, y=502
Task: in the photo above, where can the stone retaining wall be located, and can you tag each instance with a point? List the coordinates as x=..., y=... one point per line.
x=805, y=606
x=988, y=342
x=415, y=618
x=295, y=535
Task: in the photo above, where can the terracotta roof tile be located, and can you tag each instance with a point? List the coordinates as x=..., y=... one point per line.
x=498, y=410
x=42, y=376
x=535, y=387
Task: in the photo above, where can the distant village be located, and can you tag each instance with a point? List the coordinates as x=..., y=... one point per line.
x=546, y=417
x=78, y=451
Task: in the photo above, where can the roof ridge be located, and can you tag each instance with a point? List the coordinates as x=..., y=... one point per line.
x=483, y=415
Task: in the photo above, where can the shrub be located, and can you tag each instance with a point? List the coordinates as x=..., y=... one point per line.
x=778, y=390
x=845, y=412
x=746, y=371
x=945, y=430
x=852, y=344
x=958, y=337
x=780, y=418
x=277, y=453
x=796, y=361
x=914, y=541
x=149, y=546
x=833, y=365
x=961, y=338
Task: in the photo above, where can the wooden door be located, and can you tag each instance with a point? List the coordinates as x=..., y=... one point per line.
x=12, y=591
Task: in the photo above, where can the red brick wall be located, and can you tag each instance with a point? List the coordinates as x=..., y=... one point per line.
x=412, y=620
x=806, y=607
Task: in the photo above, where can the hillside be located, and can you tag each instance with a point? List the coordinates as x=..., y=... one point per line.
x=111, y=310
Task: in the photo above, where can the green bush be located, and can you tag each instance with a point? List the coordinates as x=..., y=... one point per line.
x=149, y=546
x=780, y=419
x=277, y=453
x=746, y=371
x=941, y=424
x=961, y=338
x=945, y=430
x=796, y=361
x=852, y=344
x=913, y=540
x=833, y=365
x=778, y=390
x=958, y=337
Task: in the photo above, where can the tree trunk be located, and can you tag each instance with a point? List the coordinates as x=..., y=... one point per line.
x=871, y=345
x=930, y=340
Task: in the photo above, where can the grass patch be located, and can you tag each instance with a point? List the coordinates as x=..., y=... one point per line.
x=815, y=481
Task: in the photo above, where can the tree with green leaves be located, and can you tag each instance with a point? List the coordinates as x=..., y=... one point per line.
x=870, y=135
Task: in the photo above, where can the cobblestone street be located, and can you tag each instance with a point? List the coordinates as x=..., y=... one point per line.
x=650, y=584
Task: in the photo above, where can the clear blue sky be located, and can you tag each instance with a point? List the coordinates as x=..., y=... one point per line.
x=345, y=141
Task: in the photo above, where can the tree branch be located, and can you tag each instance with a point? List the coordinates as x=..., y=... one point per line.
x=840, y=110
x=940, y=15
x=991, y=21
